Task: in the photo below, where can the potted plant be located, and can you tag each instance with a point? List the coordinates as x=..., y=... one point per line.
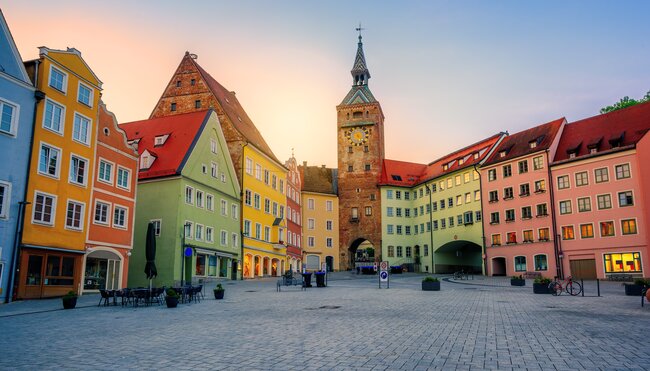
x=171, y=298
x=69, y=300
x=218, y=292
x=430, y=284
x=635, y=289
x=517, y=281
x=540, y=286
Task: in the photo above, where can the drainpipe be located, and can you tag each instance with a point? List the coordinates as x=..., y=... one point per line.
x=556, y=242
x=484, y=254
x=14, y=269
x=241, y=211
x=433, y=264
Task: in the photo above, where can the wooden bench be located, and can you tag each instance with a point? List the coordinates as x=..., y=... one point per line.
x=532, y=275
x=291, y=281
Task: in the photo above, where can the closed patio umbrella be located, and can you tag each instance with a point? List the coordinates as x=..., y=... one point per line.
x=150, y=252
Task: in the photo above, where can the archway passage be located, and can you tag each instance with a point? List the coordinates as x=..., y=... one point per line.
x=103, y=270
x=457, y=256
x=362, y=253
x=498, y=266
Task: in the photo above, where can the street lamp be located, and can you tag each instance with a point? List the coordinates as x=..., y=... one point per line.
x=186, y=228
x=433, y=264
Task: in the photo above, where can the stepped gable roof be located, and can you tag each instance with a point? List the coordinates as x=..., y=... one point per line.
x=235, y=112
x=318, y=179
x=609, y=132
x=171, y=156
x=519, y=144
x=460, y=159
x=401, y=173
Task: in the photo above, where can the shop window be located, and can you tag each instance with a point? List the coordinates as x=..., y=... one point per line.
x=212, y=265
x=623, y=262
x=200, y=265
x=59, y=271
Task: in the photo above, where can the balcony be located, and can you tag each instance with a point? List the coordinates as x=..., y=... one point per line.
x=354, y=220
x=280, y=245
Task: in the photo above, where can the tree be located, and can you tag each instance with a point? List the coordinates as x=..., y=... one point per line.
x=625, y=102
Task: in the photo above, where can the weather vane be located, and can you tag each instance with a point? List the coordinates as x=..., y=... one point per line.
x=359, y=29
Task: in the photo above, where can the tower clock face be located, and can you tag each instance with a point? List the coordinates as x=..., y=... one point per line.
x=358, y=136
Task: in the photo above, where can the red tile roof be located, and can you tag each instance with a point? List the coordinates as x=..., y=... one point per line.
x=400, y=173
x=171, y=156
x=601, y=132
x=518, y=144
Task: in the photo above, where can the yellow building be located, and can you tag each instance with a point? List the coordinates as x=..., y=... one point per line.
x=320, y=218
x=263, y=207
x=60, y=174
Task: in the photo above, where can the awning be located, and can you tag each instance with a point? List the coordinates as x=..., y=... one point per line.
x=80, y=252
x=211, y=252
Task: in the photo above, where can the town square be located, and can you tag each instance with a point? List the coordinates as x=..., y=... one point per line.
x=324, y=185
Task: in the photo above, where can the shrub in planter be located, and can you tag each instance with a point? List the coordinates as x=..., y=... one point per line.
x=171, y=298
x=635, y=289
x=69, y=300
x=517, y=281
x=430, y=284
x=540, y=286
x=218, y=292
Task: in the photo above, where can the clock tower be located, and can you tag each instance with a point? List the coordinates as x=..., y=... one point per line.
x=360, y=138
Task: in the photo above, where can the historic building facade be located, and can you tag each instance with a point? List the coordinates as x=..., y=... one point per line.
x=293, y=217
x=360, y=138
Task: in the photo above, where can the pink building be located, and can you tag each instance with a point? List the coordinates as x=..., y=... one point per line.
x=517, y=217
x=601, y=194
x=293, y=217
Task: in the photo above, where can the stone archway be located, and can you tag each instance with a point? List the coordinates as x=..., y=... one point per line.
x=363, y=252
x=459, y=255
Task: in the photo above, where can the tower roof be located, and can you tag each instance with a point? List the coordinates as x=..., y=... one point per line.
x=359, y=93
x=360, y=67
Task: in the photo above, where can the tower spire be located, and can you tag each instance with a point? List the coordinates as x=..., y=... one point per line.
x=360, y=73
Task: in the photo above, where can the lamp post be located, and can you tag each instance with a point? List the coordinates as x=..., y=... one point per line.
x=433, y=264
x=186, y=226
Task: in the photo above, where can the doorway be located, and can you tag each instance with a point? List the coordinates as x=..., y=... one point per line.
x=498, y=266
x=102, y=271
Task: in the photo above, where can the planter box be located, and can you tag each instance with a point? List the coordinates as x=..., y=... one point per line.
x=218, y=294
x=633, y=290
x=431, y=286
x=541, y=288
x=70, y=303
x=172, y=302
x=517, y=282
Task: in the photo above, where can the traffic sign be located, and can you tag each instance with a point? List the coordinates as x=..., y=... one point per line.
x=383, y=276
x=384, y=266
x=375, y=266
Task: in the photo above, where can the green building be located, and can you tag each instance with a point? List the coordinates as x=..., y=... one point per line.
x=431, y=214
x=188, y=188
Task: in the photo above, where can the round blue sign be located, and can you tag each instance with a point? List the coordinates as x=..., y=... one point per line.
x=189, y=251
x=383, y=275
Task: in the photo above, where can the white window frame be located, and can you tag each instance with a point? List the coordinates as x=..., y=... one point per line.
x=249, y=166
x=52, y=215
x=5, y=201
x=126, y=216
x=89, y=129
x=13, y=123
x=110, y=173
x=128, y=180
x=86, y=168
x=58, y=161
x=198, y=198
x=234, y=211
x=198, y=231
x=109, y=213
x=81, y=216
x=62, y=122
x=157, y=232
x=209, y=234
x=213, y=146
x=224, y=207
x=209, y=201
x=91, y=95
x=64, y=83
x=223, y=238
x=191, y=201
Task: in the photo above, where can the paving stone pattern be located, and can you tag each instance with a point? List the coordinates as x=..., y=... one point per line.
x=351, y=324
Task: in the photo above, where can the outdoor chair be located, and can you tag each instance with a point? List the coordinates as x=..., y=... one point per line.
x=105, y=297
x=124, y=294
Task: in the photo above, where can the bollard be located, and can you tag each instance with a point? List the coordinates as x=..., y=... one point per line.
x=582, y=283
x=598, y=286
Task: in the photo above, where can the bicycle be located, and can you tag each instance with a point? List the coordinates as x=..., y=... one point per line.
x=568, y=284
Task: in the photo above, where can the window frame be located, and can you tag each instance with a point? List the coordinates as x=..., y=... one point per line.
x=99, y=167
x=91, y=94
x=109, y=213
x=62, y=118
x=81, y=215
x=64, y=88
x=57, y=170
x=15, y=116
x=123, y=208
x=89, y=128
x=74, y=156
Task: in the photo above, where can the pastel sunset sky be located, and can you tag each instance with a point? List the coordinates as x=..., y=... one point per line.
x=447, y=73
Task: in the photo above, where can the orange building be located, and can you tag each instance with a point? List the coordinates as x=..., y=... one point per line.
x=112, y=208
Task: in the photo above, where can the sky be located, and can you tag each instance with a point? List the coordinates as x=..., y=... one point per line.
x=447, y=73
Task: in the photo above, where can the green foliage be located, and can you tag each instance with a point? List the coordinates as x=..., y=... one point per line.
x=430, y=279
x=625, y=102
x=172, y=293
x=70, y=294
x=218, y=287
x=543, y=280
x=519, y=277
x=642, y=281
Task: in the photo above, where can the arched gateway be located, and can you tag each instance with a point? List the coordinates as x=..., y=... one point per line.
x=362, y=252
x=459, y=255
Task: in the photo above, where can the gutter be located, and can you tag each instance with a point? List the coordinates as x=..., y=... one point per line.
x=483, y=248
x=556, y=242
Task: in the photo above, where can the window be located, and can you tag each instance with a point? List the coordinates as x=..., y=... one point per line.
x=399, y=251
x=101, y=212
x=7, y=118
x=249, y=166
x=408, y=251
x=74, y=215
x=426, y=250
x=507, y=171
x=494, y=218
x=606, y=229
x=354, y=213
x=329, y=225
x=256, y=201
x=389, y=228
x=450, y=183
x=494, y=196
x=435, y=225
x=248, y=197
x=604, y=201
x=198, y=232
x=399, y=212
x=258, y=171
x=189, y=195
x=477, y=195
x=119, y=217
x=468, y=218
x=123, y=176
x=622, y=171
x=584, y=204
x=213, y=145
x=544, y=234
x=565, y=207
x=496, y=240
x=450, y=202
x=224, y=207
x=479, y=216
x=510, y=215
x=457, y=180
x=586, y=230
x=623, y=262
x=172, y=107
x=601, y=175
x=523, y=166
x=235, y=239
x=157, y=225
x=311, y=223
x=451, y=221
x=310, y=241
x=528, y=236
x=329, y=205
x=625, y=199
x=234, y=211
x=5, y=197
x=526, y=212
x=538, y=163
x=214, y=169
x=85, y=95
x=520, y=263
x=369, y=210
x=540, y=186
x=508, y=193
x=328, y=242
x=391, y=251
x=267, y=206
x=266, y=177
x=105, y=171
x=192, y=82
x=511, y=237
x=389, y=211
x=568, y=233
x=58, y=79
x=459, y=200
x=582, y=179
x=563, y=182
x=542, y=210
x=78, y=170
x=197, y=103
x=310, y=203
x=524, y=190
x=281, y=187
x=466, y=177
x=366, y=167
x=492, y=175
x=209, y=234
x=199, y=198
x=540, y=262
x=468, y=197
x=49, y=161
x=399, y=229
x=398, y=195
x=53, y=117
x=628, y=226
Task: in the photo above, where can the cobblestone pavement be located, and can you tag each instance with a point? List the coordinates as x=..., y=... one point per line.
x=350, y=324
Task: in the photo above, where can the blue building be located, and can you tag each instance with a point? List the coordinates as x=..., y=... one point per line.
x=17, y=99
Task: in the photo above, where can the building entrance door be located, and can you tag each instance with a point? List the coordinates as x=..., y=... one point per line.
x=583, y=268
x=33, y=278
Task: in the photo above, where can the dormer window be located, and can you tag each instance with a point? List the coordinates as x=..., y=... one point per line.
x=617, y=141
x=160, y=140
x=445, y=167
x=572, y=155
x=146, y=160
x=593, y=150
x=461, y=161
x=502, y=154
x=532, y=144
x=396, y=177
x=476, y=156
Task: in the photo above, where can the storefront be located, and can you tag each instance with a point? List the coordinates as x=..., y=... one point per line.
x=102, y=270
x=48, y=272
x=212, y=264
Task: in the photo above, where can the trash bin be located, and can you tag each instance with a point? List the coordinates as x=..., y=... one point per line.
x=320, y=279
x=307, y=278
